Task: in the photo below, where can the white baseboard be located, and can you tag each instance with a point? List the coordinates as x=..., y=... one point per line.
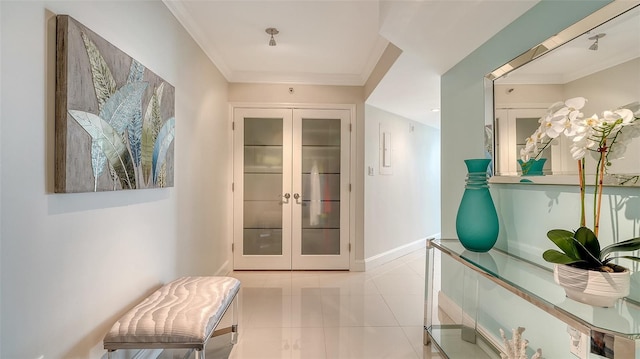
x=453, y=310
x=449, y=307
x=358, y=266
x=395, y=253
x=224, y=269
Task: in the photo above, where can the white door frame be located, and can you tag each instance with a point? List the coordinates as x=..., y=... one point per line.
x=352, y=168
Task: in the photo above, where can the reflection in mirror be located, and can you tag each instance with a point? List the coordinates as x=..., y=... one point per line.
x=601, y=64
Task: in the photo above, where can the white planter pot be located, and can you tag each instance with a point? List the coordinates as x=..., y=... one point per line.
x=595, y=288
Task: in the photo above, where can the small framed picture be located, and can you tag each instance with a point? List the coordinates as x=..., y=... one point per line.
x=602, y=344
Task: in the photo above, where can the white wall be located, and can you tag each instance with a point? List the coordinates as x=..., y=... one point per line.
x=401, y=209
x=72, y=263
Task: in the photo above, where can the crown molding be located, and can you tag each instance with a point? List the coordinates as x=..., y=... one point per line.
x=178, y=10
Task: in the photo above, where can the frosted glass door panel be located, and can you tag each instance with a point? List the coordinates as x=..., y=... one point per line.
x=263, y=242
x=263, y=175
x=321, y=241
x=263, y=186
x=329, y=183
x=319, y=132
x=263, y=159
x=326, y=217
x=262, y=214
x=326, y=159
x=321, y=184
x=263, y=131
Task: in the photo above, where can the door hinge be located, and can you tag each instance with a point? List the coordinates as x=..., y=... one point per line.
x=233, y=125
x=349, y=187
x=350, y=127
x=233, y=247
x=349, y=247
x=233, y=186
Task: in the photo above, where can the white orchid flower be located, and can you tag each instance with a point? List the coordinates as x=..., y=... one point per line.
x=555, y=108
x=593, y=134
x=592, y=122
x=577, y=152
x=575, y=103
x=617, y=119
x=563, y=118
x=582, y=143
x=606, y=138
x=553, y=125
x=573, y=124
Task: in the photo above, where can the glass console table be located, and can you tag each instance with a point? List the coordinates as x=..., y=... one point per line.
x=528, y=281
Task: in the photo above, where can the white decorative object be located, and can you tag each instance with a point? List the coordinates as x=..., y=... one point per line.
x=516, y=348
x=592, y=287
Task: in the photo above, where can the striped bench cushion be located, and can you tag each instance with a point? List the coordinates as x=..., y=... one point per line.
x=185, y=311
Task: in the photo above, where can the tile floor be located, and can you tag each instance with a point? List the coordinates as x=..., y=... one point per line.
x=322, y=314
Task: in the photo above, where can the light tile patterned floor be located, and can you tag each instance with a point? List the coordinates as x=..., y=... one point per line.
x=321, y=314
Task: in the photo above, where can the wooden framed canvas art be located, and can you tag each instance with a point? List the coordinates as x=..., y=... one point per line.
x=115, y=124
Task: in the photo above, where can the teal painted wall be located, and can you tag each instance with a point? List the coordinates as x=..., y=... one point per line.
x=462, y=90
x=526, y=212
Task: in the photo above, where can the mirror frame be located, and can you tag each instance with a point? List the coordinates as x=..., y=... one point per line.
x=597, y=18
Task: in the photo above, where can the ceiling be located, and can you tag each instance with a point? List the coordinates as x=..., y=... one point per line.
x=326, y=42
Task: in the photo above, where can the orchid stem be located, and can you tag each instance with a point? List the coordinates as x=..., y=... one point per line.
x=598, y=193
x=583, y=221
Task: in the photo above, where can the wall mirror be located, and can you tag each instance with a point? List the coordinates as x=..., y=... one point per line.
x=597, y=58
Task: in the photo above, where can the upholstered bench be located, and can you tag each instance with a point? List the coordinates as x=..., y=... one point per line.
x=182, y=314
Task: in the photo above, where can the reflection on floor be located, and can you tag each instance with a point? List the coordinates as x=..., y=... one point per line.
x=311, y=314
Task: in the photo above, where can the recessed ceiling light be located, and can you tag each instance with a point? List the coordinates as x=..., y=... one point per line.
x=435, y=110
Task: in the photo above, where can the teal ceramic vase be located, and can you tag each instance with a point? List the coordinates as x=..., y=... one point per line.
x=532, y=167
x=477, y=220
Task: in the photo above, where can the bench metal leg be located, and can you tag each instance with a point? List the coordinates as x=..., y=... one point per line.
x=200, y=354
x=234, y=319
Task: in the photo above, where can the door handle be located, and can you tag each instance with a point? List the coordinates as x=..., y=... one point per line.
x=297, y=197
x=286, y=197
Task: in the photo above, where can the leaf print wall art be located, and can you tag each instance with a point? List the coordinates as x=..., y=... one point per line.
x=115, y=119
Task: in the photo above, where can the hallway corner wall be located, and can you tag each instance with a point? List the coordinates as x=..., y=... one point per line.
x=72, y=263
x=402, y=203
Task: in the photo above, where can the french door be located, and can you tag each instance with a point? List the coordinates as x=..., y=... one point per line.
x=291, y=188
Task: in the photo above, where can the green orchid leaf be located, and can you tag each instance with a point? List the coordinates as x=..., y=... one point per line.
x=586, y=255
x=554, y=256
x=564, y=240
x=588, y=239
x=624, y=246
